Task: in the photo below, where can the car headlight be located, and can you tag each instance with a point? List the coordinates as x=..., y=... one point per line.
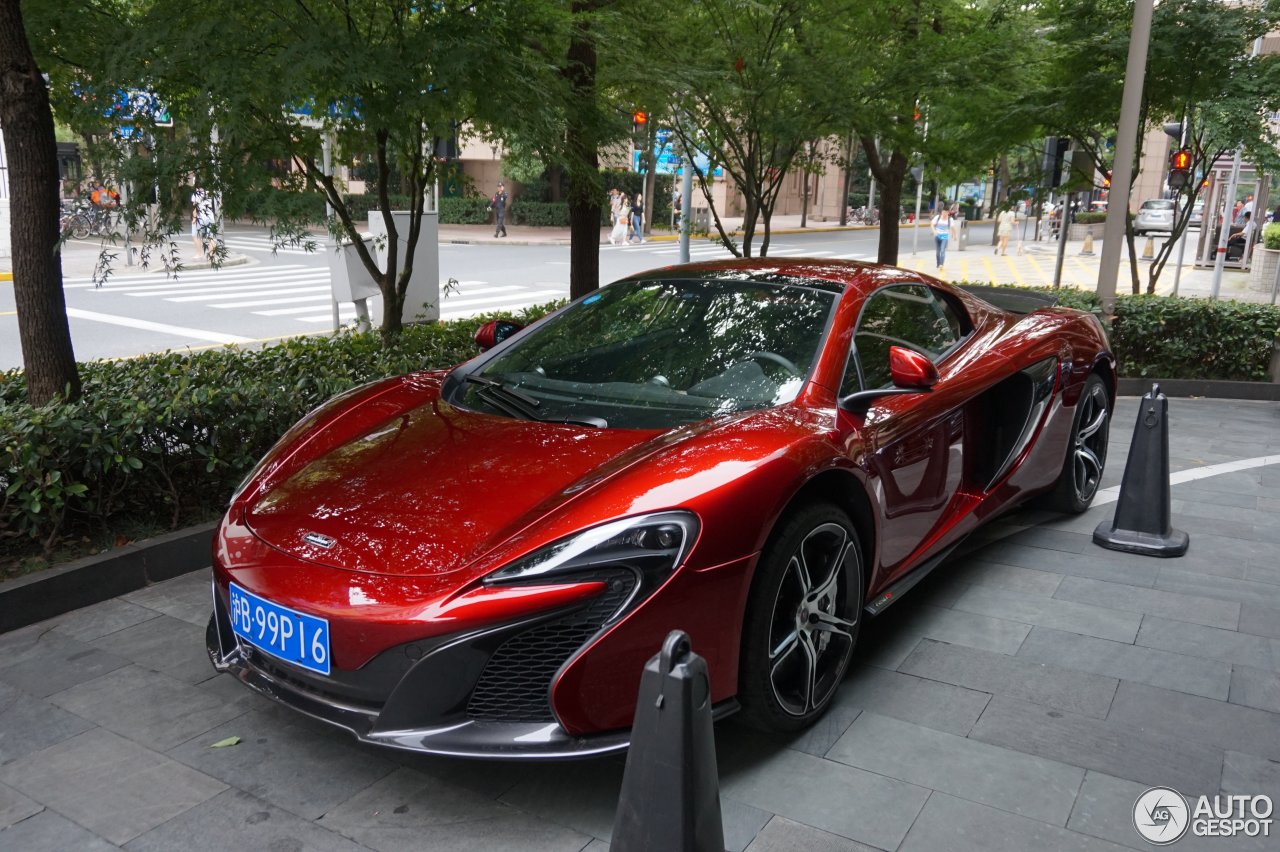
x=649, y=547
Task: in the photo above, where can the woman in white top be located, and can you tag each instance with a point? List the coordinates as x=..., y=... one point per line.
x=941, y=234
x=1005, y=226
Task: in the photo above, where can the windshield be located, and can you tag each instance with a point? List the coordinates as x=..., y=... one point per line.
x=655, y=354
x=1157, y=205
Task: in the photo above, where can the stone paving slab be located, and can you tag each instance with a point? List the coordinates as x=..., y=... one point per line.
x=1019, y=699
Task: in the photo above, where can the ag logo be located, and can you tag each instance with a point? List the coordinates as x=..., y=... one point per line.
x=1160, y=815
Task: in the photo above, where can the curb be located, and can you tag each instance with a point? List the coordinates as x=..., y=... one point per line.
x=1216, y=389
x=6, y=276
x=95, y=579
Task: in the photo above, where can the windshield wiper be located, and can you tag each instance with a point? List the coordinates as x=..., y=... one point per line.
x=520, y=404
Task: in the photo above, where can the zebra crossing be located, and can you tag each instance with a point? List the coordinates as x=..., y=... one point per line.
x=703, y=250
x=301, y=293
x=258, y=241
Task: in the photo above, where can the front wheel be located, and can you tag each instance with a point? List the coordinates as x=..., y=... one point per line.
x=802, y=619
x=1086, y=451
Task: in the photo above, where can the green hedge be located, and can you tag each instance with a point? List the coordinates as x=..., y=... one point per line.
x=1169, y=337
x=1271, y=236
x=540, y=213
x=163, y=440
x=1091, y=218
x=470, y=210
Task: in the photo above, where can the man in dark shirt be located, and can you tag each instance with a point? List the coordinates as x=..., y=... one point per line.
x=499, y=204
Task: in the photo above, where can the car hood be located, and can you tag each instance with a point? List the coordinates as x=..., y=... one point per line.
x=435, y=487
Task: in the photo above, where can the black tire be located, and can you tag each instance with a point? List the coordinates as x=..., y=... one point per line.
x=801, y=624
x=1086, y=450
x=79, y=228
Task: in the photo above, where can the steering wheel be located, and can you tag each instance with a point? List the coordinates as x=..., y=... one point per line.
x=774, y=357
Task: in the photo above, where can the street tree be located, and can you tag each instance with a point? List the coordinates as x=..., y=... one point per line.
x=954, y=66
x=27, y=122
x=747, y=78
x=258, y=86
x=1198, y=67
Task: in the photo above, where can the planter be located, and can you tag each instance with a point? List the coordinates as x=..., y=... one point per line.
x=1262, y=272
x=1077, y=231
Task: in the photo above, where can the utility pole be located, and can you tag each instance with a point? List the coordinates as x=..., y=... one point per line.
x=1126, y=146
x=915, y=225
x=1224, y=231
x=686, y=204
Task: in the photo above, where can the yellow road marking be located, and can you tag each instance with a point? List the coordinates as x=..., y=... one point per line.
x=1016, y=270
x=8, y=313
x=1044, y=279
x=991, y=270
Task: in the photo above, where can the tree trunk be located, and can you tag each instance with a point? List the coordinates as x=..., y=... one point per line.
x=852, y=150
x=47, y=356
x=583, y=157
x=891, y=179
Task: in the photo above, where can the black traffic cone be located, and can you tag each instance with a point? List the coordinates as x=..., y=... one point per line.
x=670, y=797
x=1142, y=521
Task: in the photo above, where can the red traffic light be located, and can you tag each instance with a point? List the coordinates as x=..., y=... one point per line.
x=1180, y=159
x=640, y=119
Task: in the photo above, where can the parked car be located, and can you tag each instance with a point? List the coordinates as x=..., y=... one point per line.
x=1197, y=215
x=1155, y=214
x=764, y=453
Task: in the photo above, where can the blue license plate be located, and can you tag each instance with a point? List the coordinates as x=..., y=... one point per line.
x=293, y=636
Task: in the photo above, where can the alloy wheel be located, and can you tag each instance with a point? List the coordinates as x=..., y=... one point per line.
x=1089, y=445
x=811, y=635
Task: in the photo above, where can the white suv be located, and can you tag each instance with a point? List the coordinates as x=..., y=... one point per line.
x=1154, y=215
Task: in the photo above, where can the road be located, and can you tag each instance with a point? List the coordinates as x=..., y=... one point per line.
x=286, y=293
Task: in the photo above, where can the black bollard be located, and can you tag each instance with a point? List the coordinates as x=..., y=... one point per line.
x=1142, y=523
x=670, y=797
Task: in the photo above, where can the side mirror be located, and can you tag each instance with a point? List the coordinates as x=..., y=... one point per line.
x=911, y=373
x=494, y=332
x=910, y=369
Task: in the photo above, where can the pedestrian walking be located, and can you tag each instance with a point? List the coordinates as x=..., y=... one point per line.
x=637, y=218
x=615, y=198
x=941, y=225
x=203, y=222
x=1005, y=226
x=499, y=205
x=620, y=222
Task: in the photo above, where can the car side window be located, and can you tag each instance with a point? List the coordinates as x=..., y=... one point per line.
x=907, y=315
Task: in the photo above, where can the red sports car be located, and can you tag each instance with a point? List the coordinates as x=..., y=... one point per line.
x=762, y=453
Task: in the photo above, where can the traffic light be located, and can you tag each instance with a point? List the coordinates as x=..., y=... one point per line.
x=1106, y=180
x=639, y=120
x=1179, y=168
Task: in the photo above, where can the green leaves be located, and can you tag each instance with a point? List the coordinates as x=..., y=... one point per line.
x=162, y=439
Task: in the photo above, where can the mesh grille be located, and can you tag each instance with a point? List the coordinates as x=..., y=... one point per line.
x=515, y=683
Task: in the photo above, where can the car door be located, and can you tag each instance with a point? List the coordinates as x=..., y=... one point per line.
x=912, y=445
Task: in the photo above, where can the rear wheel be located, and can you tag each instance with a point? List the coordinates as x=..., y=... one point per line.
x=802, y=619
x=1087, y=451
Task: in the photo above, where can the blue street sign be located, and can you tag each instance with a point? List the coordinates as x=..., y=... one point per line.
x=667, y=159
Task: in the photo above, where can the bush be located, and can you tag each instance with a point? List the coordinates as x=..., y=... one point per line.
x=1091, y=218
x=1169, y=337
x=469, y=210
x=1172, y=338
x=1271, y=236
x=540, y=213
x=163, y=440
x=632, y=183
x=360, y=205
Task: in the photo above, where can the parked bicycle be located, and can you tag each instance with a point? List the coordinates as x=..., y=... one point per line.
x=82, y=219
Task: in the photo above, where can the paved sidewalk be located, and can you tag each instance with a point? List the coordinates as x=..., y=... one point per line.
x=1020, y=699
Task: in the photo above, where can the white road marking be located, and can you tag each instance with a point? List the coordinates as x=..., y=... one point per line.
x=146, y=325
x=1112, y=494
x=234, y=289
x=257, y=303
x=279, y=291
